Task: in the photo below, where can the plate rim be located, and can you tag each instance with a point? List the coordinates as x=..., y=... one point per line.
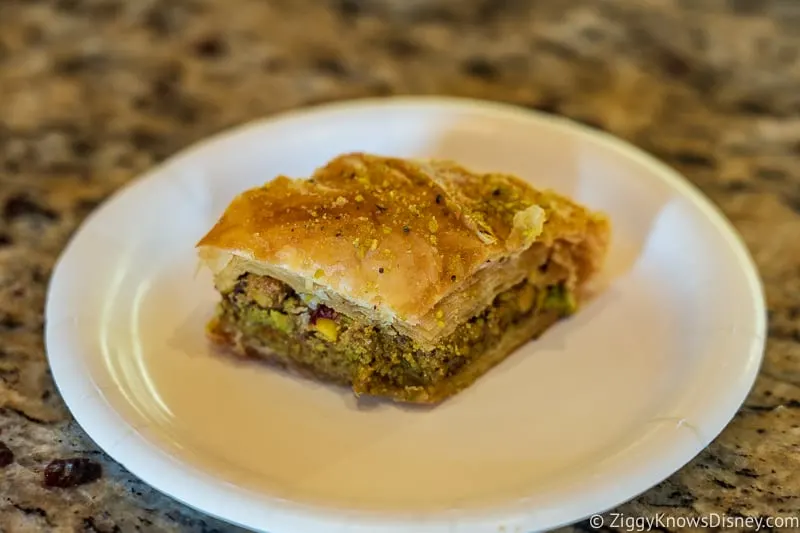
x=87, y=404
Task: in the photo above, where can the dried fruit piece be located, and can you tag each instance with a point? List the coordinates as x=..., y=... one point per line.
x=6, y=455
x=323, y=311
x=72, y=472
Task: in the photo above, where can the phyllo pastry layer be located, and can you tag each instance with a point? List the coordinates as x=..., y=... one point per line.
x=400, y=278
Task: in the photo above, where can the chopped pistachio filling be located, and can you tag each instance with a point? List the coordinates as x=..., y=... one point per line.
x=368, y=356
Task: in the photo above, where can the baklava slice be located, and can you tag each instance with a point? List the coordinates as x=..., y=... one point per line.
x=406, y=279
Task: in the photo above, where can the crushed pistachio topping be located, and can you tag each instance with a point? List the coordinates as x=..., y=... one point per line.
x=529, y=223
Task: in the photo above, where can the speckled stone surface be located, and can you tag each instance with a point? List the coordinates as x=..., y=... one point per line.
x=93, y=92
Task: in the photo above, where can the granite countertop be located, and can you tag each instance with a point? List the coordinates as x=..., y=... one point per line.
x=94, y=92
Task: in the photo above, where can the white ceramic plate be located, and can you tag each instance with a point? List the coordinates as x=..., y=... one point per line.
x=601, y=408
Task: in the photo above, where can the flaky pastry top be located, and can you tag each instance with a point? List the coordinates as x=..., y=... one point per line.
x=392, y=237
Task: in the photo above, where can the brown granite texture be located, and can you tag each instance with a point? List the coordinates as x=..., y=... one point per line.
x=93, y=92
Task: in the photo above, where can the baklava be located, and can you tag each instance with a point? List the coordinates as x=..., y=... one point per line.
x=400, y=278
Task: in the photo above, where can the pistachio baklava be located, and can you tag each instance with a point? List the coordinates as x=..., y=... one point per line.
x=399, y=278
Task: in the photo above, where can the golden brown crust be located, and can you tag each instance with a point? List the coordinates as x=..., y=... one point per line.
x=401, y=241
